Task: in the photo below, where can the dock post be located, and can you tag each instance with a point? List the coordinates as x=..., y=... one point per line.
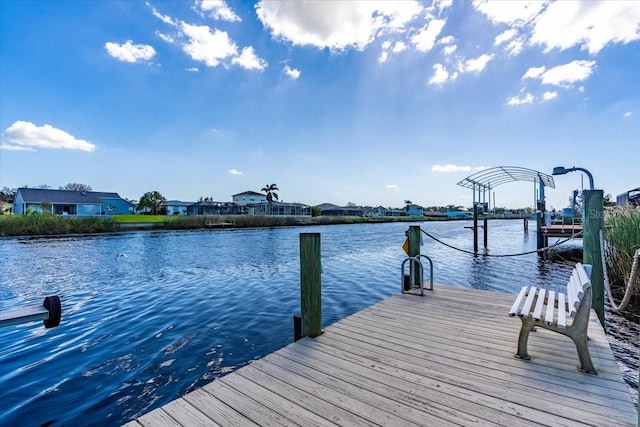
x=475, y=230
x=526, y=225
x=486, y=232
x=414, y=251
x=591, y=250
x=539, y=231
x=310, y=285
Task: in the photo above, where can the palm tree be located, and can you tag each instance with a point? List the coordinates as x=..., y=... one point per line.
x=270, y=189
x=407, y=204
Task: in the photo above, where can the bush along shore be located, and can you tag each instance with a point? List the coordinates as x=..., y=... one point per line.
x=52, y=225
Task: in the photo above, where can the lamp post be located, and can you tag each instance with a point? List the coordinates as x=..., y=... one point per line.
x=561, y=170
x=593, y=203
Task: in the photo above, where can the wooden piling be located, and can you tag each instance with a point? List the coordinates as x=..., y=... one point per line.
x=485, y=228
x=414, y=251
x=475, y=230
x=310, y=285
x=591, y=251
x=526, y=225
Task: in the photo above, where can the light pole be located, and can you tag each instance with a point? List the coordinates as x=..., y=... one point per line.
x=561, y=170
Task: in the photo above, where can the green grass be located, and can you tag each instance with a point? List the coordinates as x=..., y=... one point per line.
x=50, y=225
x=131, y=219
x=622, y=233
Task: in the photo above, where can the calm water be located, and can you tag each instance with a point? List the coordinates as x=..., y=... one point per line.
x=150, y=316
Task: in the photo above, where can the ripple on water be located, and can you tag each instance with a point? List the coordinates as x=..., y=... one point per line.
x=148, y=316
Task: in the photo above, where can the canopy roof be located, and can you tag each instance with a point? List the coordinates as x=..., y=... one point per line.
x=491, y=178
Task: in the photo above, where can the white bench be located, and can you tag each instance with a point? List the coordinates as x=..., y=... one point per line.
x=550, y=310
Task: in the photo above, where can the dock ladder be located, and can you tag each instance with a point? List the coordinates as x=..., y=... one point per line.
x=408, y=282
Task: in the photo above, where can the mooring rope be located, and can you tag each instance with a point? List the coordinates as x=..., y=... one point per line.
x=559, y=242
x=635, y=271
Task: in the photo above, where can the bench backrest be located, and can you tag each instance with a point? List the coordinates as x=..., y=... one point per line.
x=579, y=283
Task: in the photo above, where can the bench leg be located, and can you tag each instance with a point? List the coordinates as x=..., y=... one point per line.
x=586, y=365
x=523, y=339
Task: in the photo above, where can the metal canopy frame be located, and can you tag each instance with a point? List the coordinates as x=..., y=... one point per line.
x=488, y=179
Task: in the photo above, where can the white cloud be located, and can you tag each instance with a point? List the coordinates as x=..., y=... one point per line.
x=478, y=64
x=534, y=72
x=9, y=147
x=192, y=69
x=217, y=9
x=336, y=25
x=561, y=25
x=129, y=52
x=567, y=74
x=547, y=96
x=514, y=47
x=515, y=13
x=384, y=55
x=446, y=40
x=627, y=114
x=213, y=47
x=527, y=98
x=249, y=60
x=448, y=50
x=505, y=36
x=28, y=135
x=588, y=24
x=206, y=46
x=425, y=38
x=234, y=172
x=455, y=168
x=391, y=186
x=399, y=47
x=293, y=73
x=386, y=44
x=441, y=75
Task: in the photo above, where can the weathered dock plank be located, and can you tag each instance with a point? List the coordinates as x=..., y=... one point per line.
x=443, y=359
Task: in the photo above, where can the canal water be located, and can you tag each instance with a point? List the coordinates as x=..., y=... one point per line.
x=150, y=316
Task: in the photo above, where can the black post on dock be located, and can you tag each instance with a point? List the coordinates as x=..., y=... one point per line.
x=310, y=285
x=486, y=232
x=414, y=251
x=591, y=251
x=526, y=225
x=475, y=229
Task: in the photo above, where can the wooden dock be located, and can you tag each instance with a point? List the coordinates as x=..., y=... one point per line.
x=560, y=231
x=442, y=359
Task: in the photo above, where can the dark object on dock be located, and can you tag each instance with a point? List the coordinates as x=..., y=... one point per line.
x=50, y=312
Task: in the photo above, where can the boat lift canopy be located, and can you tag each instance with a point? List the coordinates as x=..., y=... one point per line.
x=488, y=179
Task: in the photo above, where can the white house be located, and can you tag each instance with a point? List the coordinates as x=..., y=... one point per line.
x=249, y=197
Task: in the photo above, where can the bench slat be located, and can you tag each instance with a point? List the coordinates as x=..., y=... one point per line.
x=551, y=305
x=526, y=308
x=537, y=313
x=562, y=309
x=515, y=308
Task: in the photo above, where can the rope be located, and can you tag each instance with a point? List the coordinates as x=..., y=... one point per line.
x=559, y=242
x=635, y=271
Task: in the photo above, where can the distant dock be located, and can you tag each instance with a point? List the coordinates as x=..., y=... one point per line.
x=560, y=231
x=442, y=359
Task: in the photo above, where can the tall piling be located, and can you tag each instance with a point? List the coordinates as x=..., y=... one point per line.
x=591, y=250
x=310, y=285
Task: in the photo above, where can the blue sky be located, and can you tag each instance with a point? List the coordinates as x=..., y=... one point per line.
x=366, y=102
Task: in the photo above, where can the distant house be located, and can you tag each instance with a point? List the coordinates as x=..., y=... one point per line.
x=329, y=209
x=176, y=207
x=249, y=197
x=66, y=202
x=279, y=209
x=631, y=197
x=415, y=210
x=215, y=208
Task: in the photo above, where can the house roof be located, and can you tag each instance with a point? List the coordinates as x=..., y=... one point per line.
x=248, y=193
x=177, y=203
x=39, y=195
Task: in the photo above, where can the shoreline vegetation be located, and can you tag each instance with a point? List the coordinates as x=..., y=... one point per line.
x=622, y=233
